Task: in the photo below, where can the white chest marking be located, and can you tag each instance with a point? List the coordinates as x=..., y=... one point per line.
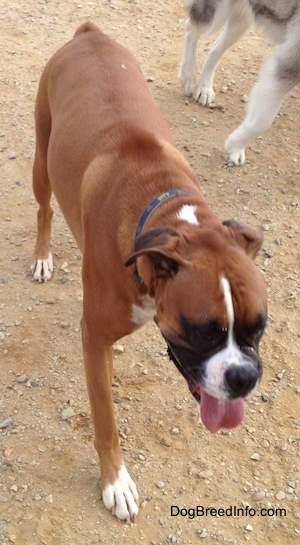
x=188, y=213
x=140, y=315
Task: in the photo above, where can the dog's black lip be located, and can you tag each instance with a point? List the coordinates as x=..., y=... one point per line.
x=194, y=389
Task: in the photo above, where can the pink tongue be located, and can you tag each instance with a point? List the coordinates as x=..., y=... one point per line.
x=217, y=413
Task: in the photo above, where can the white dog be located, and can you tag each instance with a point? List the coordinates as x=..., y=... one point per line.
x=280, y=20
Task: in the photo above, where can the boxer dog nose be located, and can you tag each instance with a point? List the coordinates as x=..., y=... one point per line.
x=239, y=381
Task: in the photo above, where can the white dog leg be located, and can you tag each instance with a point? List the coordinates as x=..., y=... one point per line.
x=234, y=29
x=264, y=103
x=188, y=66
x=238, y=18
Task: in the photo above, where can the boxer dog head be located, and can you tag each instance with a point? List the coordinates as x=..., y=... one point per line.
x=211, y=308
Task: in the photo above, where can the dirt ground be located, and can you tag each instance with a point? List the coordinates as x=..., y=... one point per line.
x=49, y=475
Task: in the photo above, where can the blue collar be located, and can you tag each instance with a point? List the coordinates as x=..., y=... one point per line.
x=149, y=211
x=155, y=203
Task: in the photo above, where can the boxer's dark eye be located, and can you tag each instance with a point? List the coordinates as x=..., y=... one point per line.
x=255, y=331
x=210, y=334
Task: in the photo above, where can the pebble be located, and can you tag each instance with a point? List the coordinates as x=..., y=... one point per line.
x=280, y=495
x=166, y=442
x=12, y=155
x=159, y=484
x=67, y=413
x=175, y=431
x=203, y=533
x=259, y=495
x=249, y=528
x=118, y=349
x=22, y=378
x=8, y=422
x=244, y=98
x=205, y=474
x=255, y=456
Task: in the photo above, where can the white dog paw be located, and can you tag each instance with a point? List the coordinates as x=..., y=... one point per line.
x=204, y=95
x=236, y=155
x=42, y=269
x=121, y=497
x=188, y=78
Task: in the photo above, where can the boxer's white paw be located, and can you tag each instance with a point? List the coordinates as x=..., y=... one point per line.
x=204, y=95
x=42, y=269
x=121, y=497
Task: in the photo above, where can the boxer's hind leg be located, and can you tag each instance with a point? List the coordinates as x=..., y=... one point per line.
x=42, y=265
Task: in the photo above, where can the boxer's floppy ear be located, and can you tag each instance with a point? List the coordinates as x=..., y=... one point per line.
x=161, y=246
x=249, y=239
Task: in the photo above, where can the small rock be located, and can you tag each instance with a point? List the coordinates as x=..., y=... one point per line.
x=22, y=378
x=255, y=456
x=251, y=430
x=160, y=484
x=67, y=413
x=31, y=383
x=14, y=488
x=64, y=325
x=12, y=155
x=259, y=495
x=249, y=528
x=8, y=422
x=175, y=431
x=244, y=98
x=205, y=474
x=118, y=349
x=166, y=442
x=203, y=533
x=265, y=397
x=280, y=495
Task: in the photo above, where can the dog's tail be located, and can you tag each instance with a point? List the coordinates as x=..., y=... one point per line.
x=86, y=27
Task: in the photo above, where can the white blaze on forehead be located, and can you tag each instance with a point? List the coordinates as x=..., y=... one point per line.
x=229, y=306
x=188, y=213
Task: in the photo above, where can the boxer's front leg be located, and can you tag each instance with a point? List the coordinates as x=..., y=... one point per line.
x=119, y=492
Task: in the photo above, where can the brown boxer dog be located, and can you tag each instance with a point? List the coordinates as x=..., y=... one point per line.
x=151, y=246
